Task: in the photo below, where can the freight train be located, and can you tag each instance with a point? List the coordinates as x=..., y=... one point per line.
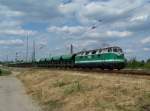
x=104, y=58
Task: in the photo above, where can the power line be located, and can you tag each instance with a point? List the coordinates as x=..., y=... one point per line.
x=27, y=48
x=16, y=58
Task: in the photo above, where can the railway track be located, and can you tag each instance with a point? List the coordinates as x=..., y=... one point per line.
x=135, y=72
x=140, y=72
x=124, y=71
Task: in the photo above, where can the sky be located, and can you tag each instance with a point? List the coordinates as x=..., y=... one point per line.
x=87, y=24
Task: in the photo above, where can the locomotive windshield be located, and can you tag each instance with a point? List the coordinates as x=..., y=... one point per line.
x=117, y=50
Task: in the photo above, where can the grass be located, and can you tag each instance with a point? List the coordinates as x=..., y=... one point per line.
x=144, y=102
x=101, y=105
x=59, y=83
x=4, y=72
x=53, y=105
x=73, y=87
x=72, y=91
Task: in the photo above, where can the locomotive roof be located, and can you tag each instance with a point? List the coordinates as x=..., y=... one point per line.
x=111, y=47
x=98, y=49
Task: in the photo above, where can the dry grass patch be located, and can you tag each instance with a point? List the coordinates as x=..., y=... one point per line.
x=71, y=91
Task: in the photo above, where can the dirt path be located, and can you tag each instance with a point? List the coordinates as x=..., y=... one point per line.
x=13, y=96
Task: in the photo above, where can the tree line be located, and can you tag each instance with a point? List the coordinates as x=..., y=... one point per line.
x=134, y=63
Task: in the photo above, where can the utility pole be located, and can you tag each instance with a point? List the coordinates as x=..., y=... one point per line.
x=7, y=58
x=27, y=48
x=71, y=49
x=16, y=59
x=33, y=54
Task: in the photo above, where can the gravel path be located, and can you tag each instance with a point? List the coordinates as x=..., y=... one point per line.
x=13, y=96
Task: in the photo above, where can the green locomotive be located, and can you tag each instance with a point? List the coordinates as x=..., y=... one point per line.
x=104, y=58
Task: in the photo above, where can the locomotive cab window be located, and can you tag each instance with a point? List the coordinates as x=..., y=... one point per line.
x=94, y=52
x=100, y=50
x=115, y=50
x=86, y=53
x=119, y=50
x=104, y=50
x=109, y=50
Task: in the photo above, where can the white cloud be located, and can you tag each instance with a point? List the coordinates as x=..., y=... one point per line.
x=98, y=7
x=146, y=49
x=139, y=18
x=5, y=24
x=68, y=8
x=87, y=32
x=145, y=40
x=108, y=34
x=32, y=10
x=16, y=42
x=129, y=51
x=10, y=24
x=109, y=11
x=67, y=29
x=118, y=33
x=42, y=43
x=93, y=34
x=20, y=32
x=83, y=44
x=5, y=11
x=87, y=43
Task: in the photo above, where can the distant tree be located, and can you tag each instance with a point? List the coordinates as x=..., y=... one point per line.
x=134, y=63
x=143, y=62
x=148, y=60
x=133, y=59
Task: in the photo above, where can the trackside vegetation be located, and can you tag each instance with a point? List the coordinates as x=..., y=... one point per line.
x=134, y=64
x=4, y=72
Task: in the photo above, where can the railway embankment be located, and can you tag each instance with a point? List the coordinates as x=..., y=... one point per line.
x=60, y=90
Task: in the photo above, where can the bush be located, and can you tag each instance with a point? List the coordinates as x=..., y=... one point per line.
x=4, y=72
x=133, y=63
x=147, y=65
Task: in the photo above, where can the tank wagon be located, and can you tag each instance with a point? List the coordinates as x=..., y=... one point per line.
x=57, y=61
x=104, y=58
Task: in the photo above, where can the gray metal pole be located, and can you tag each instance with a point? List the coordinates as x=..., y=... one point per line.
x=33, y=56
x=27, y=48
